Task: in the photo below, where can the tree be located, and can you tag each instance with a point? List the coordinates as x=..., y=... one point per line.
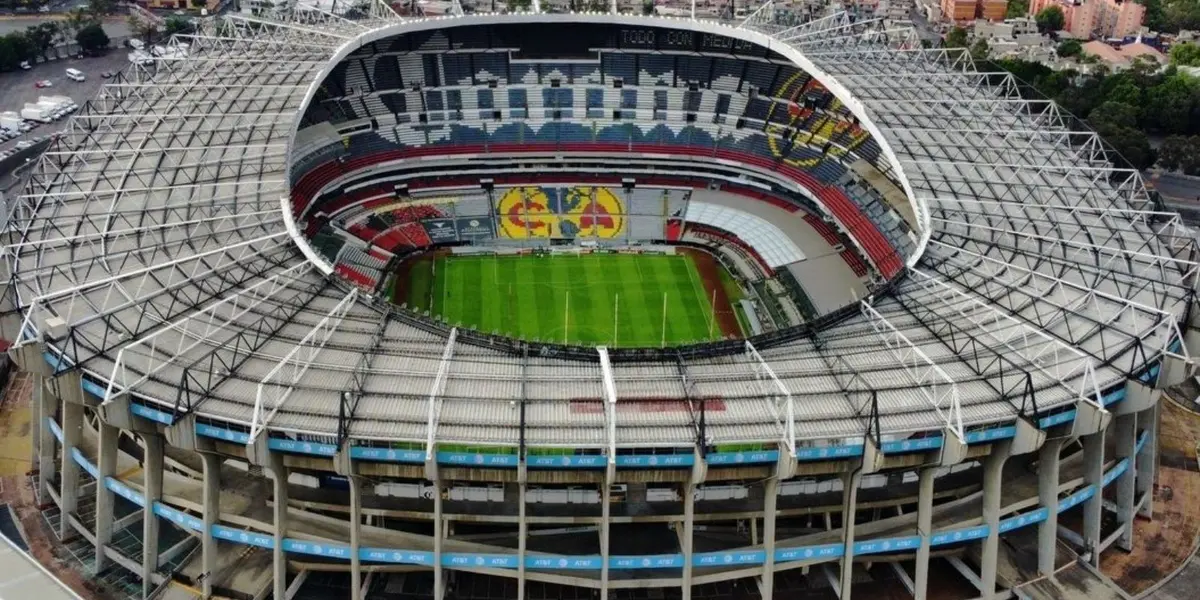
x=980, y=49
x=648, y=7
x=1050, y=19
x=1016, y=8
x=174, y=25
x=1186, y=54
x=520, y=4
x=143, y=29
x=101, y=8
x=1116, y=122
x=956, y=38
x=1173, y=105
x=92, y=38
x=79, y=18
x=42, y=36
x=1069, y=48
x=1180, y=153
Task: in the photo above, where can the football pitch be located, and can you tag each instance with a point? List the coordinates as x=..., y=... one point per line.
x=593, y=299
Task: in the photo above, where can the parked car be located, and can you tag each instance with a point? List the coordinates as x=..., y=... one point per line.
x=45, y=83
x=107, y=74
x=25, y=65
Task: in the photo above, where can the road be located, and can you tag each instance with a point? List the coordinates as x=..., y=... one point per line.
x=1177, y=187
x=115, y=27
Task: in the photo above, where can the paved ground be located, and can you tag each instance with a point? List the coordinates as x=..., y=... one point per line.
x=1177, y=186
x=17, y=88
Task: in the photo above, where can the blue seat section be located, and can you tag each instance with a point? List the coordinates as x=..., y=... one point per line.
x=387, y=73
x=727, y=74
x=760, y=75
x=489, y=66
x=397, y=103
x=457, y=68
x=523, y=73
x=695, y=68
x=619, y=66
x=656, y=70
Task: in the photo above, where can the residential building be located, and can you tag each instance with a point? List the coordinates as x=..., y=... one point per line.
x=1096, y=18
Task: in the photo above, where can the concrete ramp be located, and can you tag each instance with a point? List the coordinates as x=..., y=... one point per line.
x=1073, y=582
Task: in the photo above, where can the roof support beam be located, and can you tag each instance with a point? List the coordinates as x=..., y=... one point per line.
x=938, y=388
x=156, y=351
x=762, y=371
x=273, y=392
x=1069, y=366
x=610, y=402
x=435, y=394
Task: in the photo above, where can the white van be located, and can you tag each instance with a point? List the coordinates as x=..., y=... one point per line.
x=75, y=75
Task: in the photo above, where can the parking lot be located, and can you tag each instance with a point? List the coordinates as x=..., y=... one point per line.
x=17, y=88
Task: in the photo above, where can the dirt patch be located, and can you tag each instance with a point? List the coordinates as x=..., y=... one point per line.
x=710, y=277
x=17, y=492
x=1162, y=545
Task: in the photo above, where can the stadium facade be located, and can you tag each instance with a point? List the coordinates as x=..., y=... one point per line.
x=219, y=381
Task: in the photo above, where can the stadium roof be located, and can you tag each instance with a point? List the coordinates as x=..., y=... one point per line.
x=156, y=237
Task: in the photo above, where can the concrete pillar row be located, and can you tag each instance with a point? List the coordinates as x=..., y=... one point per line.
x=1147, y=459
x=1048, y=481
x=211, y=514
x=107, y=465
x=850, y=483
x=280, y=517
x=1093, y=458
x=153, y=478
x=72, y=428
x=439, y=534
x=1126, y=439
x=925, y=478
x=356, y=591
x=993, y=471
x=47, y=409
x=770, y=507
x=689, y=528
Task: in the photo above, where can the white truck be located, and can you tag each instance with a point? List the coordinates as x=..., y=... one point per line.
x=11, y=122
x=36, y=112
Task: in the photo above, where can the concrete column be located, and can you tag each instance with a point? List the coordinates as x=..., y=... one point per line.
x=211, y=514
x=439, y=532
x=1093, y=460
x=993, y=469
x=1048, y=466
x=107, y=464
x=924, y=530
x=45, y=409
x=72, y=427
x=523, y=533
x=1147, y=460
x=689, y=527
x=153, y=478
x=605, y=532
x=850, y=483
x=356, y=592
x=1126, y=439
x=278, y=558
x=770, y=507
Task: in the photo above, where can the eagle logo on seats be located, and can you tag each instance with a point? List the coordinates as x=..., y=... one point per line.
x=546, y=212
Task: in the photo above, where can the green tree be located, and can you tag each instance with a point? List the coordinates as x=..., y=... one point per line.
x=648, y=7
x=1116, y=122
x=42, y=36
x=92, y=39
x=1186, y=54
x=1016, y=8
x=956, y=38
x=102, y=7
x=1172, y=106
x=520, y=4
x=1069, y=48
x=9, y=59
x=980, y=49
x=1180, y=153
x=174, y=25
x=1050, y=19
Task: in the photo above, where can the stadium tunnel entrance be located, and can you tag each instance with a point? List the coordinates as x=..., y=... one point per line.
x=677, y=186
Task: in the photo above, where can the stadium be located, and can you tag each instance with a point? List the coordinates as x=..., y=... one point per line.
x=339, y=304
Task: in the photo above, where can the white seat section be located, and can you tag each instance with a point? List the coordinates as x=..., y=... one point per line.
x=771, y=243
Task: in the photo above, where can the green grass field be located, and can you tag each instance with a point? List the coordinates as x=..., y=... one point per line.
x=566, y=298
